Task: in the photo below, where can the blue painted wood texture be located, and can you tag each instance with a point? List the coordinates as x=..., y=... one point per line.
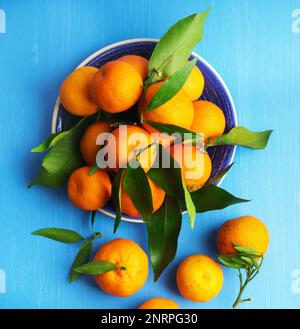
x=252, y=46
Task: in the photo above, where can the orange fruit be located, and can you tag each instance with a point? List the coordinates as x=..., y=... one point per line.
x=138, y=62
x=88, y=146
x=89, y=192
x=75, y=92
x=124, y=142
x=117, y=86
x=209, y=120
x=246, y=231
x=159, y=303
x=196, y=165
x=194, y=84
x=128, y=208
x=178, y=111
x=199, y=278
x=133, y=267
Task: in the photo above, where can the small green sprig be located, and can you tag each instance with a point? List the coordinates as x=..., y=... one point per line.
x=72, y=237
x=246, y=259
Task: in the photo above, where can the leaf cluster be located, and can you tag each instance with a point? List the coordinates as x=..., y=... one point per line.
x=246, y=259
x=72, y=237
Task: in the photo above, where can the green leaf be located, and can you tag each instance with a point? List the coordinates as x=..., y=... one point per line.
x=227, y=261
x=93, y=217
x=211, y=197
x=93, y=169
x=256, y=265
x=171, y=181
x=45, y=144
x=238, y=260
x=246, y=250
x=82, y=257
x=175, y=47
x=191, y=209
x=163, y=231
x=136, y=184
x=50, y=141
x=116, y=197
x=247, y=260
x=172, y=129
x=59, y=234
x=234, y=261
x=63, y=158
x=220, y=175
x=172, y=86
x=96, y=267
x=244, y=137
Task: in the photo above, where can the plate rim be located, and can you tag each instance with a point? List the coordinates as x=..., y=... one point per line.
x=124, y=42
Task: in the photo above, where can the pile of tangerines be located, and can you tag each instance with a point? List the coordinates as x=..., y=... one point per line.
x=118, y=86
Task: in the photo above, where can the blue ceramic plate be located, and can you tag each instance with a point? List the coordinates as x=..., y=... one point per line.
x=215, y=91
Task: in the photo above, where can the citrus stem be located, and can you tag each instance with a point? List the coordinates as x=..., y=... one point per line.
x=242, y=288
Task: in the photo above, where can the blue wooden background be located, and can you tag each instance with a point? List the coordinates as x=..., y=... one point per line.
x=252, y=46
